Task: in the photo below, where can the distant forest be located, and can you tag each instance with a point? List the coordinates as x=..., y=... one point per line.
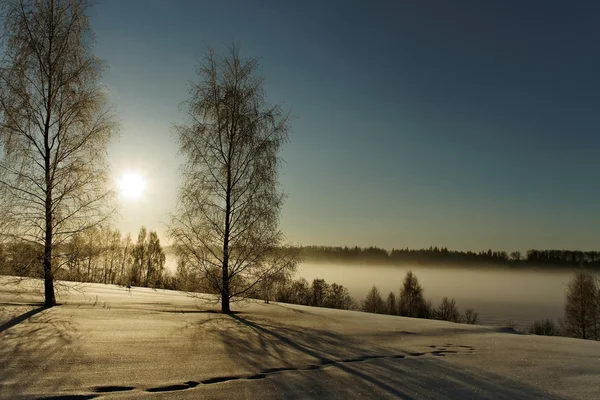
x=443, y=256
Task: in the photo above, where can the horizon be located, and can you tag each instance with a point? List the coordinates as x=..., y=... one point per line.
x=467, y=125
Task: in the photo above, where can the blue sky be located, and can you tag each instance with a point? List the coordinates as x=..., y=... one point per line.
x=464, y=124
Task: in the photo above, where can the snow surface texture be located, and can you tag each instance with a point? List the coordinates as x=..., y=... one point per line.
x=107, y=341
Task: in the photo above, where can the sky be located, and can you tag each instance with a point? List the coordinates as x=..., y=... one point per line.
x=465, y=124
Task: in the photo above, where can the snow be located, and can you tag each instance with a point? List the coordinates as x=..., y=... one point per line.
x=111, y=342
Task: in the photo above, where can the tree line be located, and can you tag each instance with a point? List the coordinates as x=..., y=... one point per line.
x=441, y=255
x=409, y=303
x=581, y=310
x=97, y=254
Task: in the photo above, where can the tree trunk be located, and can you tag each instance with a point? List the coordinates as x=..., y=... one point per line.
x=49, y=299
x=225, y=297
x=225, y=287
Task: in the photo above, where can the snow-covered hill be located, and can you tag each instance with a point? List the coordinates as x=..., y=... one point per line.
x=107, y=341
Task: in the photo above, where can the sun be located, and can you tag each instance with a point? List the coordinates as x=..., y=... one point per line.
x=132, y=185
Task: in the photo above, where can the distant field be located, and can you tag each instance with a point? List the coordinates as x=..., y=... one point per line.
x=107, y=341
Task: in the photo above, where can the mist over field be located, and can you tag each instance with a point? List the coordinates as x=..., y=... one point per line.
x=500, y=295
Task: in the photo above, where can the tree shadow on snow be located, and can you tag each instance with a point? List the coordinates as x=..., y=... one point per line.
x=322, y=364
x=18, y=319
x=35, y=345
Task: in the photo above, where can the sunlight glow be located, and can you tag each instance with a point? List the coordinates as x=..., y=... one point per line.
x=132, y=185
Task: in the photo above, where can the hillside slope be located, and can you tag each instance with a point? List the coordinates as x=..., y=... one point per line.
x=110, y=342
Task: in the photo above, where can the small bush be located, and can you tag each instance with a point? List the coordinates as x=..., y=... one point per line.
x=470, y=317
x=545, y=327
x=447, y=311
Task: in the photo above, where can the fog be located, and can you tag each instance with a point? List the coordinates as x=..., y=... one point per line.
x=497, y=294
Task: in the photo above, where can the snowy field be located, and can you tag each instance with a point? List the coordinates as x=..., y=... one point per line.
x=106, y=341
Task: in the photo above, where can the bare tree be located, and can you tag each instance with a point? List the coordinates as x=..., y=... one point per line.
x=581, y=306
x=54, y=126
x=447, y=311
x=470, y=317
x=275, y=279
x=229, y=203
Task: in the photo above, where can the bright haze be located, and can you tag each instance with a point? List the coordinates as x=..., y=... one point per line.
x=468, y=124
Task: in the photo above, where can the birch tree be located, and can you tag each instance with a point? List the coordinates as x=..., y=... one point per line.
x=226, y=224
x=54, y=127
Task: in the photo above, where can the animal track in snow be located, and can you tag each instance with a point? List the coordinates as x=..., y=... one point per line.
x=438, y=351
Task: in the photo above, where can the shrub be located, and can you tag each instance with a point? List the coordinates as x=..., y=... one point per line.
x=470, y=317
x=447, y=311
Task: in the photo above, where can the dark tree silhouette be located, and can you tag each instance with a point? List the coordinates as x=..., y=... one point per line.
x=443, y=256
x=320, y=292
x=299, y=292
x=392, y=305
x=339, y=298
x=447, y=311
x=412, y=302
x=545, y=327
x=373, y=303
